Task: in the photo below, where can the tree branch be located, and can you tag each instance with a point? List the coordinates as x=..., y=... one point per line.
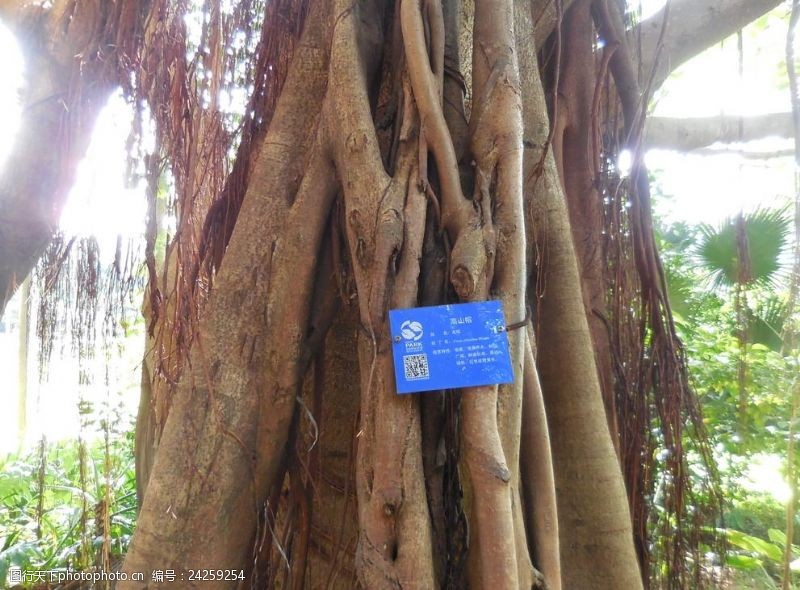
x=686, y=134
x=692, y=27
x=61, y=99
x=746, y=154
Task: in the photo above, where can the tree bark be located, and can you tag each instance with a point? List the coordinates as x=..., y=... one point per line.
x=547, y=16
x=385, y=240
x=594, y=519
x=576, y=148
x=537, y=475
x=225, y=433
x=231, y=434
x=334, y=514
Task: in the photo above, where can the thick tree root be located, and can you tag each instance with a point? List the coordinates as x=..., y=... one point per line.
x=385, y=237
x=538, y=480
x=227, y=436
x=592, y=500
x=209, y=477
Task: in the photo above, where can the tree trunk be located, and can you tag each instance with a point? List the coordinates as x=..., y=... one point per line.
x=576, y=148
x=286, y=452
x=221, y=445
x=594, y=521
x=389, y=191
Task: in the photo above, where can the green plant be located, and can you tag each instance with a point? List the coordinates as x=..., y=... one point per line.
x=745, y=250
x=754, y=553
x=51, y=517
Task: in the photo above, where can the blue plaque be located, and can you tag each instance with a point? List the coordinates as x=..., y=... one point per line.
x=450, y=346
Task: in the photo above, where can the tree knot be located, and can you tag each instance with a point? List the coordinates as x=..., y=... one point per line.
x=390, y=498
x=469, y=258
x=356, y=141
x=463, y=282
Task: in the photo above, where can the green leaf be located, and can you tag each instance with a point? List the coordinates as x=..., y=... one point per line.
x=754, y=544
x=777, y=536
x=745, y=250
x=766, y=323
x=743, y=562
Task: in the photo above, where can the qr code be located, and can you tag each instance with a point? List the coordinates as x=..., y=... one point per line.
x=415, y=366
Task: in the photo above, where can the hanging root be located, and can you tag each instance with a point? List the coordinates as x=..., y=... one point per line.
x=427, y=89
x=653, y=381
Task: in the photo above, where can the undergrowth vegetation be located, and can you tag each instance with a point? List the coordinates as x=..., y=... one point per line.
x=67, y=505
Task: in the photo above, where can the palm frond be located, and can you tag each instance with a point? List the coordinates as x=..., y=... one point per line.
x=766, y=323
x=680, y=287
x=745, y=250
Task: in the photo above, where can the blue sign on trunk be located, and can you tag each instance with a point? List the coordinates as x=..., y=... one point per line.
x=450, y=346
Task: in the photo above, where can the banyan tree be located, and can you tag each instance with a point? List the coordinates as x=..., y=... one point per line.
x=387, y=155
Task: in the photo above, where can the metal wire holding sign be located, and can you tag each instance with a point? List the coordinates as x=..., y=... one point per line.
x=518, y=325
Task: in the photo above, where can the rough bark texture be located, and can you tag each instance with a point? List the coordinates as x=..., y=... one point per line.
x=205, y=198
x=394, y=548
x=329, y=465
x=221, y=442
x=287, y=451
x=232, y=420
x=494, y=465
